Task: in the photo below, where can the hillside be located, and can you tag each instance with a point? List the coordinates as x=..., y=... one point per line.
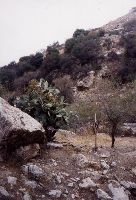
x=108, y=51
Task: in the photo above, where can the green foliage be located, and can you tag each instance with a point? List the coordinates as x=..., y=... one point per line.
x=43, y=103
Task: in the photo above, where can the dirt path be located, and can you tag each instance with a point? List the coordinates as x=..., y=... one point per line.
x=66, y=164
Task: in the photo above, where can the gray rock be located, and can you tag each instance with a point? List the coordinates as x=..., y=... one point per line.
x=32, y=184
x=117, y=191
x=18, y=128
x=102, y=195
x=26, y=196
x=86, y=82
x=128, y=185
x=4, y=192
x=113, y=164
x=12, y=180
x=134, y=171
x=55, y=193
x=80, y=160
x=33, y=169
x=87, y=183
x=54, y=145
x=104, y=165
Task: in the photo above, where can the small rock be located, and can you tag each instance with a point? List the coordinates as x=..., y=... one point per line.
x=81, y=160
x=26, y=196
x=73, y=196
x=105, y=155
x=54, y=145
x=12, y=180
x=117, y=191
x=58, y=179
x=134, y=171
x=87, y=183
x=102, y=195
x=128, y=185
x=55, y=193
x=71, y=184
x=105, y=172
x=33, y=169
x=113, y=164
x=104, y=164
x=54, y=162
x=32, y=184
x=4, y=192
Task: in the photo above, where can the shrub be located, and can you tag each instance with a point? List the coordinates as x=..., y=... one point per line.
x=65, y=85
x=80, y=33
x=44, y=104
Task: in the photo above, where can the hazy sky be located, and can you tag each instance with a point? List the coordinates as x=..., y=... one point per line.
x=30, y=25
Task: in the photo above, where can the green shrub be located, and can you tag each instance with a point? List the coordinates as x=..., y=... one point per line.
x=44, y=104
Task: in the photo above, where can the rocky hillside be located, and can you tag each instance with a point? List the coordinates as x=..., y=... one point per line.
x=119, y=23
x=108, y=51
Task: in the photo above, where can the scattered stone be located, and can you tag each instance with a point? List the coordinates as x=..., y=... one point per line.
x=113, y=164
x=75, y=179
x=33, y=169
x=3, y=192
x=81, y=160
x=86, y=82
x=54, y=162
x=55, y=193
x=96, y=175
x=128, y=185
x=105, y=172
x=26, y=196
x=12, y=180
x=118, y=192
x=70, y=184
x=87, y=183
x=106, y=155
x=102, y=195
x=73, y=196
x=59, y=178
x=54, y=145
x=134, y=171
x=104, y=164
x=32, y=184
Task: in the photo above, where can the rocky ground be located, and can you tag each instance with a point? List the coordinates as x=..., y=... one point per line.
x=70, y=169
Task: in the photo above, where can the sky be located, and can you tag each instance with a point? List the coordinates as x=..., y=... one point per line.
x=27, y=26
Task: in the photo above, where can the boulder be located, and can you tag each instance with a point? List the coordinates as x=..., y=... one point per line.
x=102, y=195
x=117, y=191
x=87, y=183
x=18, y=128
x=86, y=82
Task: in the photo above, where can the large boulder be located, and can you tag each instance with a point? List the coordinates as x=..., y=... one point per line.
x=18, y=128
x=86, y=82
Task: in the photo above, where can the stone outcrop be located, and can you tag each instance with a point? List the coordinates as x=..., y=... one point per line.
x=18, y=128
x=86, y=82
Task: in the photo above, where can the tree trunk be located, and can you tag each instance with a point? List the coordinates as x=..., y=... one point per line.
x=113, y=133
